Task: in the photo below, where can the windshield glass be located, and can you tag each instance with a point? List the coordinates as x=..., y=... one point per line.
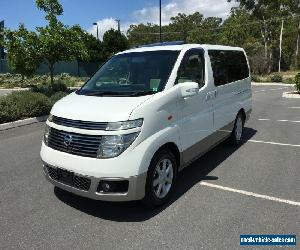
x=132, y=74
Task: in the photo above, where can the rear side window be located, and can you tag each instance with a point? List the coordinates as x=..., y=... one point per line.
x=228, y=66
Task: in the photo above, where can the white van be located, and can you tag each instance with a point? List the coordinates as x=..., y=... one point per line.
x=145, y=115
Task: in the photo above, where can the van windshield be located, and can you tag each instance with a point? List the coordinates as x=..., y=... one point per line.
x=132, y=74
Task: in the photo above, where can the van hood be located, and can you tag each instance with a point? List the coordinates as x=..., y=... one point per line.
x=97, y=109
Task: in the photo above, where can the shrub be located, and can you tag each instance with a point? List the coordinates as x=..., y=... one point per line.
x=58, y=86
x=289, y=80
x=297, y=82
x=24, y=104
x=276, y=77
x=14, y=80
x=57, y=96
x=49, y=89
x=255, y=78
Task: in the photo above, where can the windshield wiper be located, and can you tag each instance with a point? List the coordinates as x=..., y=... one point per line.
x=104, y=93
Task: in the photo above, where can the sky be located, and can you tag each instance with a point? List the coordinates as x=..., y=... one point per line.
x=104, y=12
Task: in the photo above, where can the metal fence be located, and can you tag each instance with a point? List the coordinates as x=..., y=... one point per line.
x=74, y=68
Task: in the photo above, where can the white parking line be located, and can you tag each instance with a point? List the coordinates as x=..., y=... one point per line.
x=287, y=121
x=262, y=119
x=293, y=107
x=266, y=197
x=276, y=143
x=280, y=88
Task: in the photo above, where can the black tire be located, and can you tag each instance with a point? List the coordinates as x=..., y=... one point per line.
x=237, y=135
x=151, y=199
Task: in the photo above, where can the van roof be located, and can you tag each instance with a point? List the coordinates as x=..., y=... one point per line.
x=180, y=47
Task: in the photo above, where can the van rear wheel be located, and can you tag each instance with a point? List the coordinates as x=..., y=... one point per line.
x=237, y=132
x=160, y=178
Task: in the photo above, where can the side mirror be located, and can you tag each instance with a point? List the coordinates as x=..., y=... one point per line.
x=188, y=89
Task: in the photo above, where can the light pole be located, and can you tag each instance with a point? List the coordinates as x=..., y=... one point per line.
x=96, y=24
x=119, y=24
x=160, y=39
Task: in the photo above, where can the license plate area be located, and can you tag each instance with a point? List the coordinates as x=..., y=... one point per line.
x=65, y=176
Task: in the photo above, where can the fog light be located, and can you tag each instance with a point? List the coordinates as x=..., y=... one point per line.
x=110, y=186
x=106, y=187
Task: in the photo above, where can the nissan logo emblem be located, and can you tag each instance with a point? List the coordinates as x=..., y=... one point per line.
x=68, y=140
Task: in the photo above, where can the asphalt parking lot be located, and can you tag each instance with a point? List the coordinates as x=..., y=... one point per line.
x=252, y=189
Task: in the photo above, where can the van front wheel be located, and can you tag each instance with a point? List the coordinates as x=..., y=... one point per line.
x=160, y=178
x=237, y=132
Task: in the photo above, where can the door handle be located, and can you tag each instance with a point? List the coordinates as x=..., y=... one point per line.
x=210, y=95
x=216, y=93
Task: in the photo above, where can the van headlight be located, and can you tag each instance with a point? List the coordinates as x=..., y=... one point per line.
x=113, y=126
x=114, y=145
x=46, y=134
x=50, y=118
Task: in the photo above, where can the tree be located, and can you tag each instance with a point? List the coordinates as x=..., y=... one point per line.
x=143, y=34
x=94, y=52
x=185, y=23
x=207, y=31
x=113, y=42
x=23, y=51
x=239, y=28
x=270, y=14
x=52, y=7
x=93, y=46
x=57, y=41
x=1, y=41
x=289, y=43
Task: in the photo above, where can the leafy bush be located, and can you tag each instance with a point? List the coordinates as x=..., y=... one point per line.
x=14, y=80
x=289, y=80
x=255, y=78
x=67, y=80
x=24, y=104
x=57, y=96
x=297, y=82
x=276, y=77
x=48, y=89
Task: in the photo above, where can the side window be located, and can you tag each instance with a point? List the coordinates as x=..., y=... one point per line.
x=244, y=65
x=228, y=66
x=237, y=66
x=192, y=68
x=219, y=66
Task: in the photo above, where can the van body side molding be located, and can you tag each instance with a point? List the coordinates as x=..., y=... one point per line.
x=200, y=148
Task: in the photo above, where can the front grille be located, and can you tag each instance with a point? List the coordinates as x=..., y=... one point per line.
x=79, y=124
x=82, y=183
x=73, y=143
x=72, y=180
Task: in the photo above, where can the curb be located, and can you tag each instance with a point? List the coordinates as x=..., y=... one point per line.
x=15, y=89
x=270, y=84
x=20, y=123
x=292, y=95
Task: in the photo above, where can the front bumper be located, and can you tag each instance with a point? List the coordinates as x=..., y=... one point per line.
x=136, y=187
